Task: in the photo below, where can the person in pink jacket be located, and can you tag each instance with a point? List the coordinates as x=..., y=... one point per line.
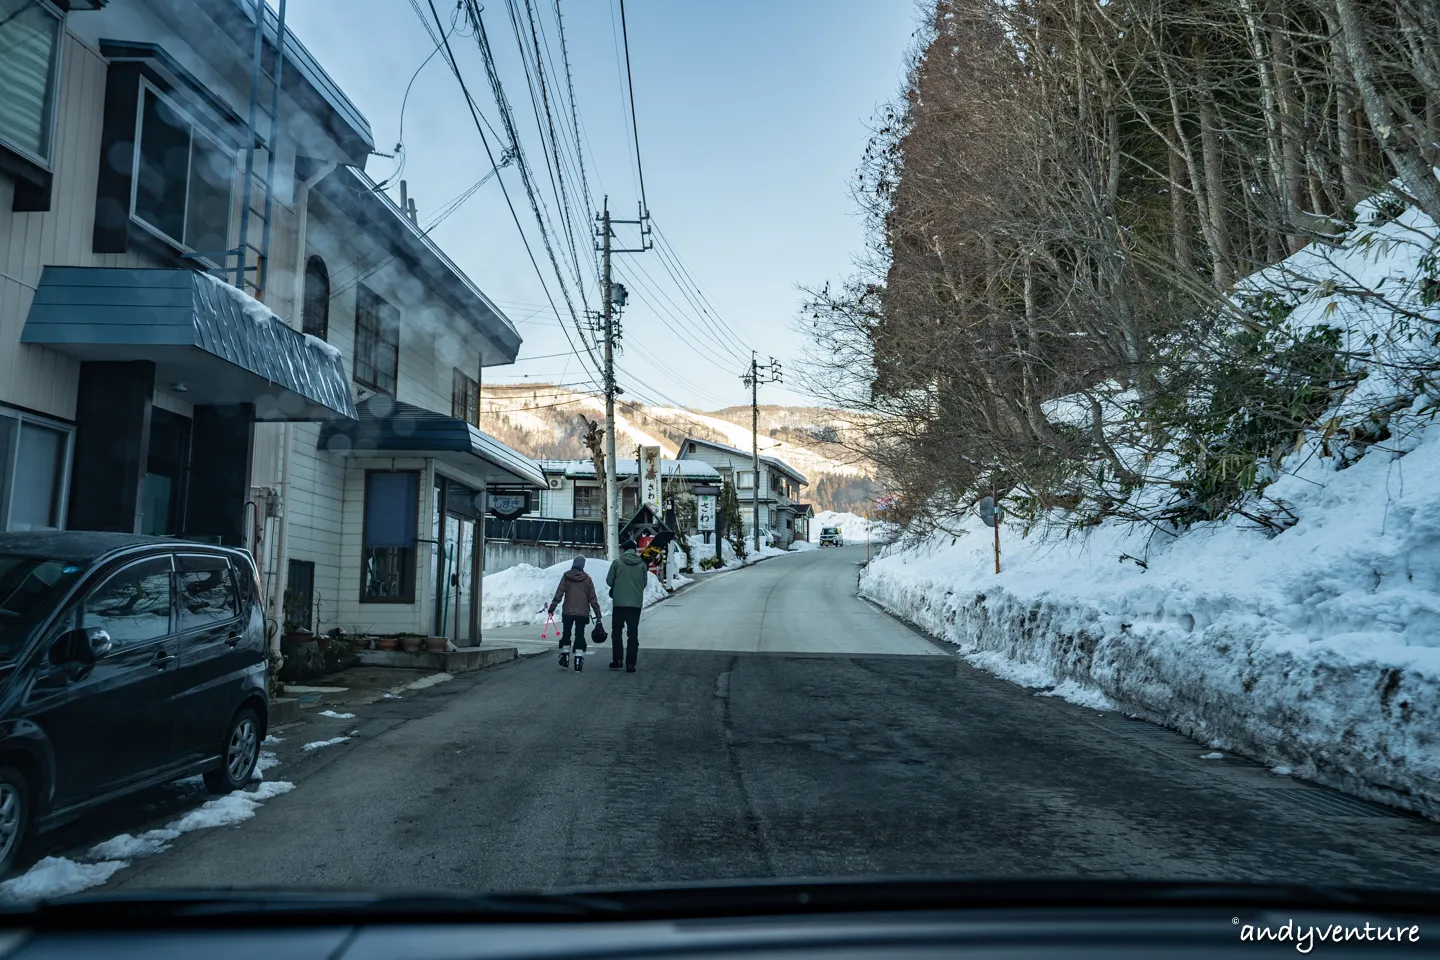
x=577, y=594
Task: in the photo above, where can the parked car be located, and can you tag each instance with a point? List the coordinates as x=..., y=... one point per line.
x=830, y=537
x=125, y=662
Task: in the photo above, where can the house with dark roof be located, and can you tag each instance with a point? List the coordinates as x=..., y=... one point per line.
x=776, y=491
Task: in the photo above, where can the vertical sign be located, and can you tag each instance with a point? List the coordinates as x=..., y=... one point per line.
x=705, y=513
x=650, y=478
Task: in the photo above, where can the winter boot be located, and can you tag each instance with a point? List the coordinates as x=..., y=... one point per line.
x=579, y=660
x=564, y=657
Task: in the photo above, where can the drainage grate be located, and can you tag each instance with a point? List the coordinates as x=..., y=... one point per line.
x=1328, y=804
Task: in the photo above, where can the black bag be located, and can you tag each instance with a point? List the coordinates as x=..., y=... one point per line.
x=597, y=636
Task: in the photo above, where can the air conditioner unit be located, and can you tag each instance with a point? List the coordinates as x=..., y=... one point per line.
x=556, y=483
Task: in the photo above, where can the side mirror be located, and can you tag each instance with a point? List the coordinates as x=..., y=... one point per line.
x=83, y=646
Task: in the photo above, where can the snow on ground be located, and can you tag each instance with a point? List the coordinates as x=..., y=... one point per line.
x=855, y=529
x=699, y=549
x=318, y=744
x=59, y=877
x=520, y=594
x=62, y=876
x=1316, y=650
x=799, y=546
x=337, y=716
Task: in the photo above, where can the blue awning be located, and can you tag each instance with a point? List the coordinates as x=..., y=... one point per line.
x=210, y=343
x=389, y=428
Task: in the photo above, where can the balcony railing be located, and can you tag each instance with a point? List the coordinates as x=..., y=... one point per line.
x=535, y=530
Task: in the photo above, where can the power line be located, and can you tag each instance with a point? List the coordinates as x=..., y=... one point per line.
x=475, y=116
x=630, y=82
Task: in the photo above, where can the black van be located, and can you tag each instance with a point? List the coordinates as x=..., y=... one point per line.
x=125, y=662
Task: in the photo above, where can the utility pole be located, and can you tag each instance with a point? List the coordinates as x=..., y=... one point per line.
x=614, y=300
x=755, y=376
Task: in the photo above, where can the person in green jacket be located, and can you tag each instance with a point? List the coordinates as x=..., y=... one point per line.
x=626, y=579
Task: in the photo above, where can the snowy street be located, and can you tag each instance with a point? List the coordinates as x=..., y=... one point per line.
x=778, y=726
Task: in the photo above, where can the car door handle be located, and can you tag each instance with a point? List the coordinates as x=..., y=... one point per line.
x=232, y=640
x=162, y=660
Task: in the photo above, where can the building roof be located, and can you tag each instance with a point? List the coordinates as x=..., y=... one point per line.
x=361, y=200
x=775, y=462
x=585, y=470
x=388, y=427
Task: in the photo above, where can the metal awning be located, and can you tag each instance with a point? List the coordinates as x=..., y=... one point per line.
x=210, y=343
x=389, y=428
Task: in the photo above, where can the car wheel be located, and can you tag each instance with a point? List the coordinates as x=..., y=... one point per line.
x=238, y=753
x=14, y=817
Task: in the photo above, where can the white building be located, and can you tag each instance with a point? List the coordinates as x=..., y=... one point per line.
x=156, y=377
x=573, y=492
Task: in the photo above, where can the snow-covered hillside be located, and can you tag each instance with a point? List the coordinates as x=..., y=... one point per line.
x=1316, y=649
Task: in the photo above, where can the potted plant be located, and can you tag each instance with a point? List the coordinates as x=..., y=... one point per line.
x=436, y=644
x=387, y=643
x=411, y=642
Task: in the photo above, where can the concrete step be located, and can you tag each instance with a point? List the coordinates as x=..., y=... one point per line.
x=454, y=661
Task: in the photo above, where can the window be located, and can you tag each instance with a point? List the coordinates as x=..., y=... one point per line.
x=183, y=179
x=29, y=54
x=299, y=595
x=587, y=502
x=315, y=315
x=745, y=479
x=133, y=606
x=377, y=342
x=387, y=562
x=34, y=458
x=206, y=591
x=629, y=502
x=465, y=399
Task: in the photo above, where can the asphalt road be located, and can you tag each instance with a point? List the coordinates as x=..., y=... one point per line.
x=787, y=729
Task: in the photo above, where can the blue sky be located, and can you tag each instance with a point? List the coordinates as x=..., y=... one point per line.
x=752, y=116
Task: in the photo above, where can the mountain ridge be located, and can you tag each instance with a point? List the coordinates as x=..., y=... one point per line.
x=543, y=421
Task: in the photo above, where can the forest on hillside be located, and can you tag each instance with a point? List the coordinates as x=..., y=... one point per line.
x=1067, y=211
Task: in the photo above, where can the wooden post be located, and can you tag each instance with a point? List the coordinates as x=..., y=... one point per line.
x=997, y=536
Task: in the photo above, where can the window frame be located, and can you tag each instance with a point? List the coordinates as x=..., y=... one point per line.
x=461, y=387
x=176, y=614
x=363, y=292
x=52, y=122
x=196, y=127
x=323, y=325
x=76, y=613
x=741, y=476
x=12, y=456
x=411, y=583
x=593, y=511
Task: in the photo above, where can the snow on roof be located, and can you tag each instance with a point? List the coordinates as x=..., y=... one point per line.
x=776, y=462
x=686, y=469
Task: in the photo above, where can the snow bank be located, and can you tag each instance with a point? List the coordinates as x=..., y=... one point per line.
x=855, y=529
x=1316, y=650
x=520, y=594
x=699, y=549
x=800, y=546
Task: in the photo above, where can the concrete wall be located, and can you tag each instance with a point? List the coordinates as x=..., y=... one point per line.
x=500, y=555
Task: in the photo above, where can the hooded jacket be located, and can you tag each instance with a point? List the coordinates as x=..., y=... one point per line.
x=578, y=591
x=627, y=578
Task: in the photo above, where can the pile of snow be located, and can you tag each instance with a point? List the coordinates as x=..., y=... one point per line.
x=855, y=529
x=60, y=876
x=520, y=594
x=1316, y=650
x=699, y=549
x=799, y=546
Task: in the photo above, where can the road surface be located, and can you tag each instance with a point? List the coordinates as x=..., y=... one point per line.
x=778, y=727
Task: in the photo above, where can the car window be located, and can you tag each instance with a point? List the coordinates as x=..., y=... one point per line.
x=206, y=590
x=133, y=606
